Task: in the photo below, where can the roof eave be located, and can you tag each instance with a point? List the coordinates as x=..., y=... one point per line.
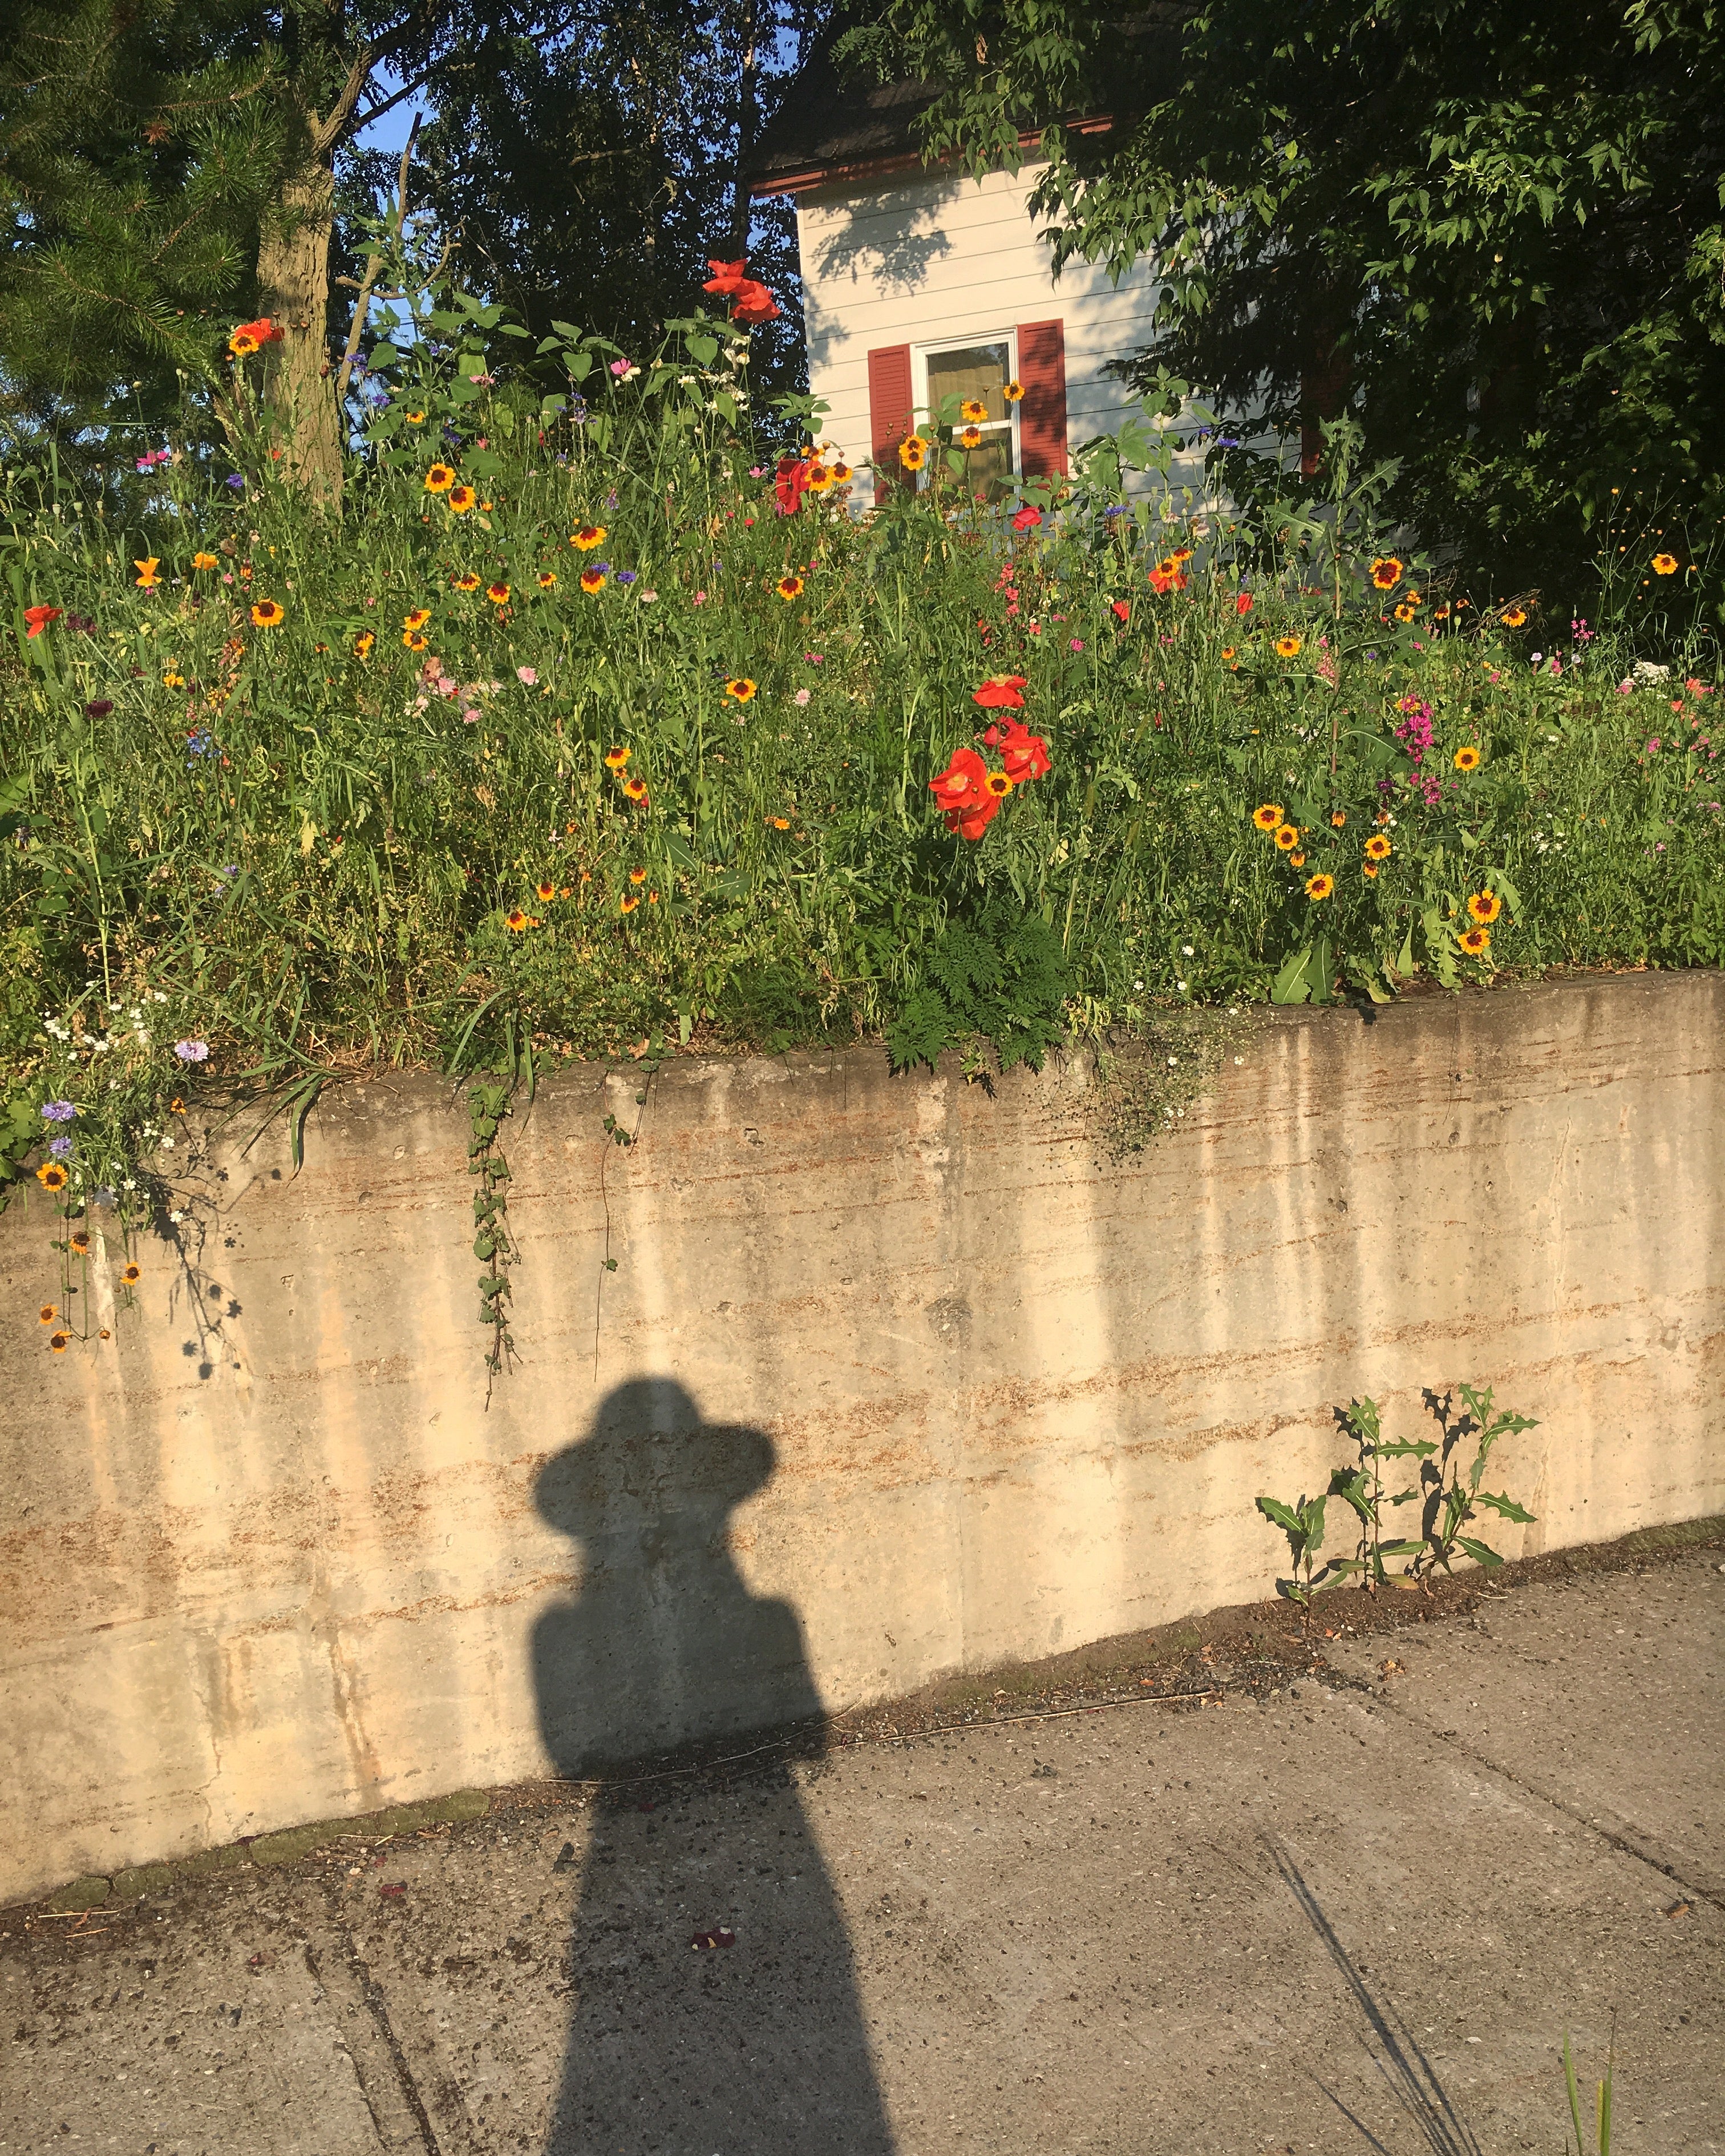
x=805, y=179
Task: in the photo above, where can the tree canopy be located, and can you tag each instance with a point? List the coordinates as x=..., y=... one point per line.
x=169, y=168
x=1494, y=233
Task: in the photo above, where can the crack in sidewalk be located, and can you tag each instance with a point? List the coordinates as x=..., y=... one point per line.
x=1454, y=1740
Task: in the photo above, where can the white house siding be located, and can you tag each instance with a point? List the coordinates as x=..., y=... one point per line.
x=926, y=257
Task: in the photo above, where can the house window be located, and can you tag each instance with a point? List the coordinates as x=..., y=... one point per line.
x=978, y=370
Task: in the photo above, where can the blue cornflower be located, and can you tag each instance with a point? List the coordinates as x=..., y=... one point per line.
x=236, y=479
x=192, y=1051
x=58, y=1111
x=61, y=1148
x=625, y=576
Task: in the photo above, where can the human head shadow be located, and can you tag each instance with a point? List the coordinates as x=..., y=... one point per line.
x=756, y=2047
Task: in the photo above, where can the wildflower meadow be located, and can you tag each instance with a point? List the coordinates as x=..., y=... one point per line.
x=588, y=725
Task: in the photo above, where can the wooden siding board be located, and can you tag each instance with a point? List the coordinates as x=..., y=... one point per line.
x=932, y=259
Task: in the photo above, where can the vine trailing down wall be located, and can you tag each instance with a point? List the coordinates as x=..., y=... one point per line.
x=589, y=726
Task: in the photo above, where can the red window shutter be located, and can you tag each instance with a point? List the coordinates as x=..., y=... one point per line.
x=889, y=410
x=1042, y=416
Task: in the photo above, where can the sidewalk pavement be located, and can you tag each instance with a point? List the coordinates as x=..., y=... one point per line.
x=1359, y=1912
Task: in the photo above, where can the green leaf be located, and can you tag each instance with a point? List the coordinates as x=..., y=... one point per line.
x=1284, y=1516
x=1478, y=1551
x=1291, y=985
x=1506, y=1506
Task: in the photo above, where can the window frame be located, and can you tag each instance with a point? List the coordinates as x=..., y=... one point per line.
x=921, y=354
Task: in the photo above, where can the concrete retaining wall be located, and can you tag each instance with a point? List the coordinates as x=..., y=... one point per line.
x=891, y=1379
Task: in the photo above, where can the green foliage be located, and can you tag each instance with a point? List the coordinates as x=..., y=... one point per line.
x=138, y=149
x=1303, y=1524
x=595, y=173
x=1004, y=980
x=493, y=1245
x=1449, y=1502
x=1495, y=234
x=307, y=798
x=1602, y=2101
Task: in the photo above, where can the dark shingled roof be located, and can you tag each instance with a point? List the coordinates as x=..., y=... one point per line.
x=832, y=117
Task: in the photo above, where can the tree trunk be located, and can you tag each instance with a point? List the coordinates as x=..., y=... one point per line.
x=294, y=273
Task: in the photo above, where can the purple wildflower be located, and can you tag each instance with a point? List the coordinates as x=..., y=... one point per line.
x=61, y=1148
x=58, y=1111
x=192, y=1051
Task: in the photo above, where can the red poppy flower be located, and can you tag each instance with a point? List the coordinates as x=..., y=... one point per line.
x=790, y=484
x=1123, y=609
x=750, y=299
x=1243, y=602
x=971, y=823
x=752, y=302
x=1027, y=519
x=262, y=331
x=1163, y=581
x=1024, y=754
x=961, y=786
x=38, y=617
x=1001, y=694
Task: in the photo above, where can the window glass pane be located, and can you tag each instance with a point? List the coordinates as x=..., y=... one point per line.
x=987, y=470
x=979, y=372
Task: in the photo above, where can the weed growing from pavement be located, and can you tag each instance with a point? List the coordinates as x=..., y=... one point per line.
x=1448, y=1501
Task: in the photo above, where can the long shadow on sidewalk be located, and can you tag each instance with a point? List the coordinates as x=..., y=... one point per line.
x=1408, y=2073
x=753, y=2045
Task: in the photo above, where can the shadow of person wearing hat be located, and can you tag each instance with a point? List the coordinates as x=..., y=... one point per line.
x=750, y=2042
